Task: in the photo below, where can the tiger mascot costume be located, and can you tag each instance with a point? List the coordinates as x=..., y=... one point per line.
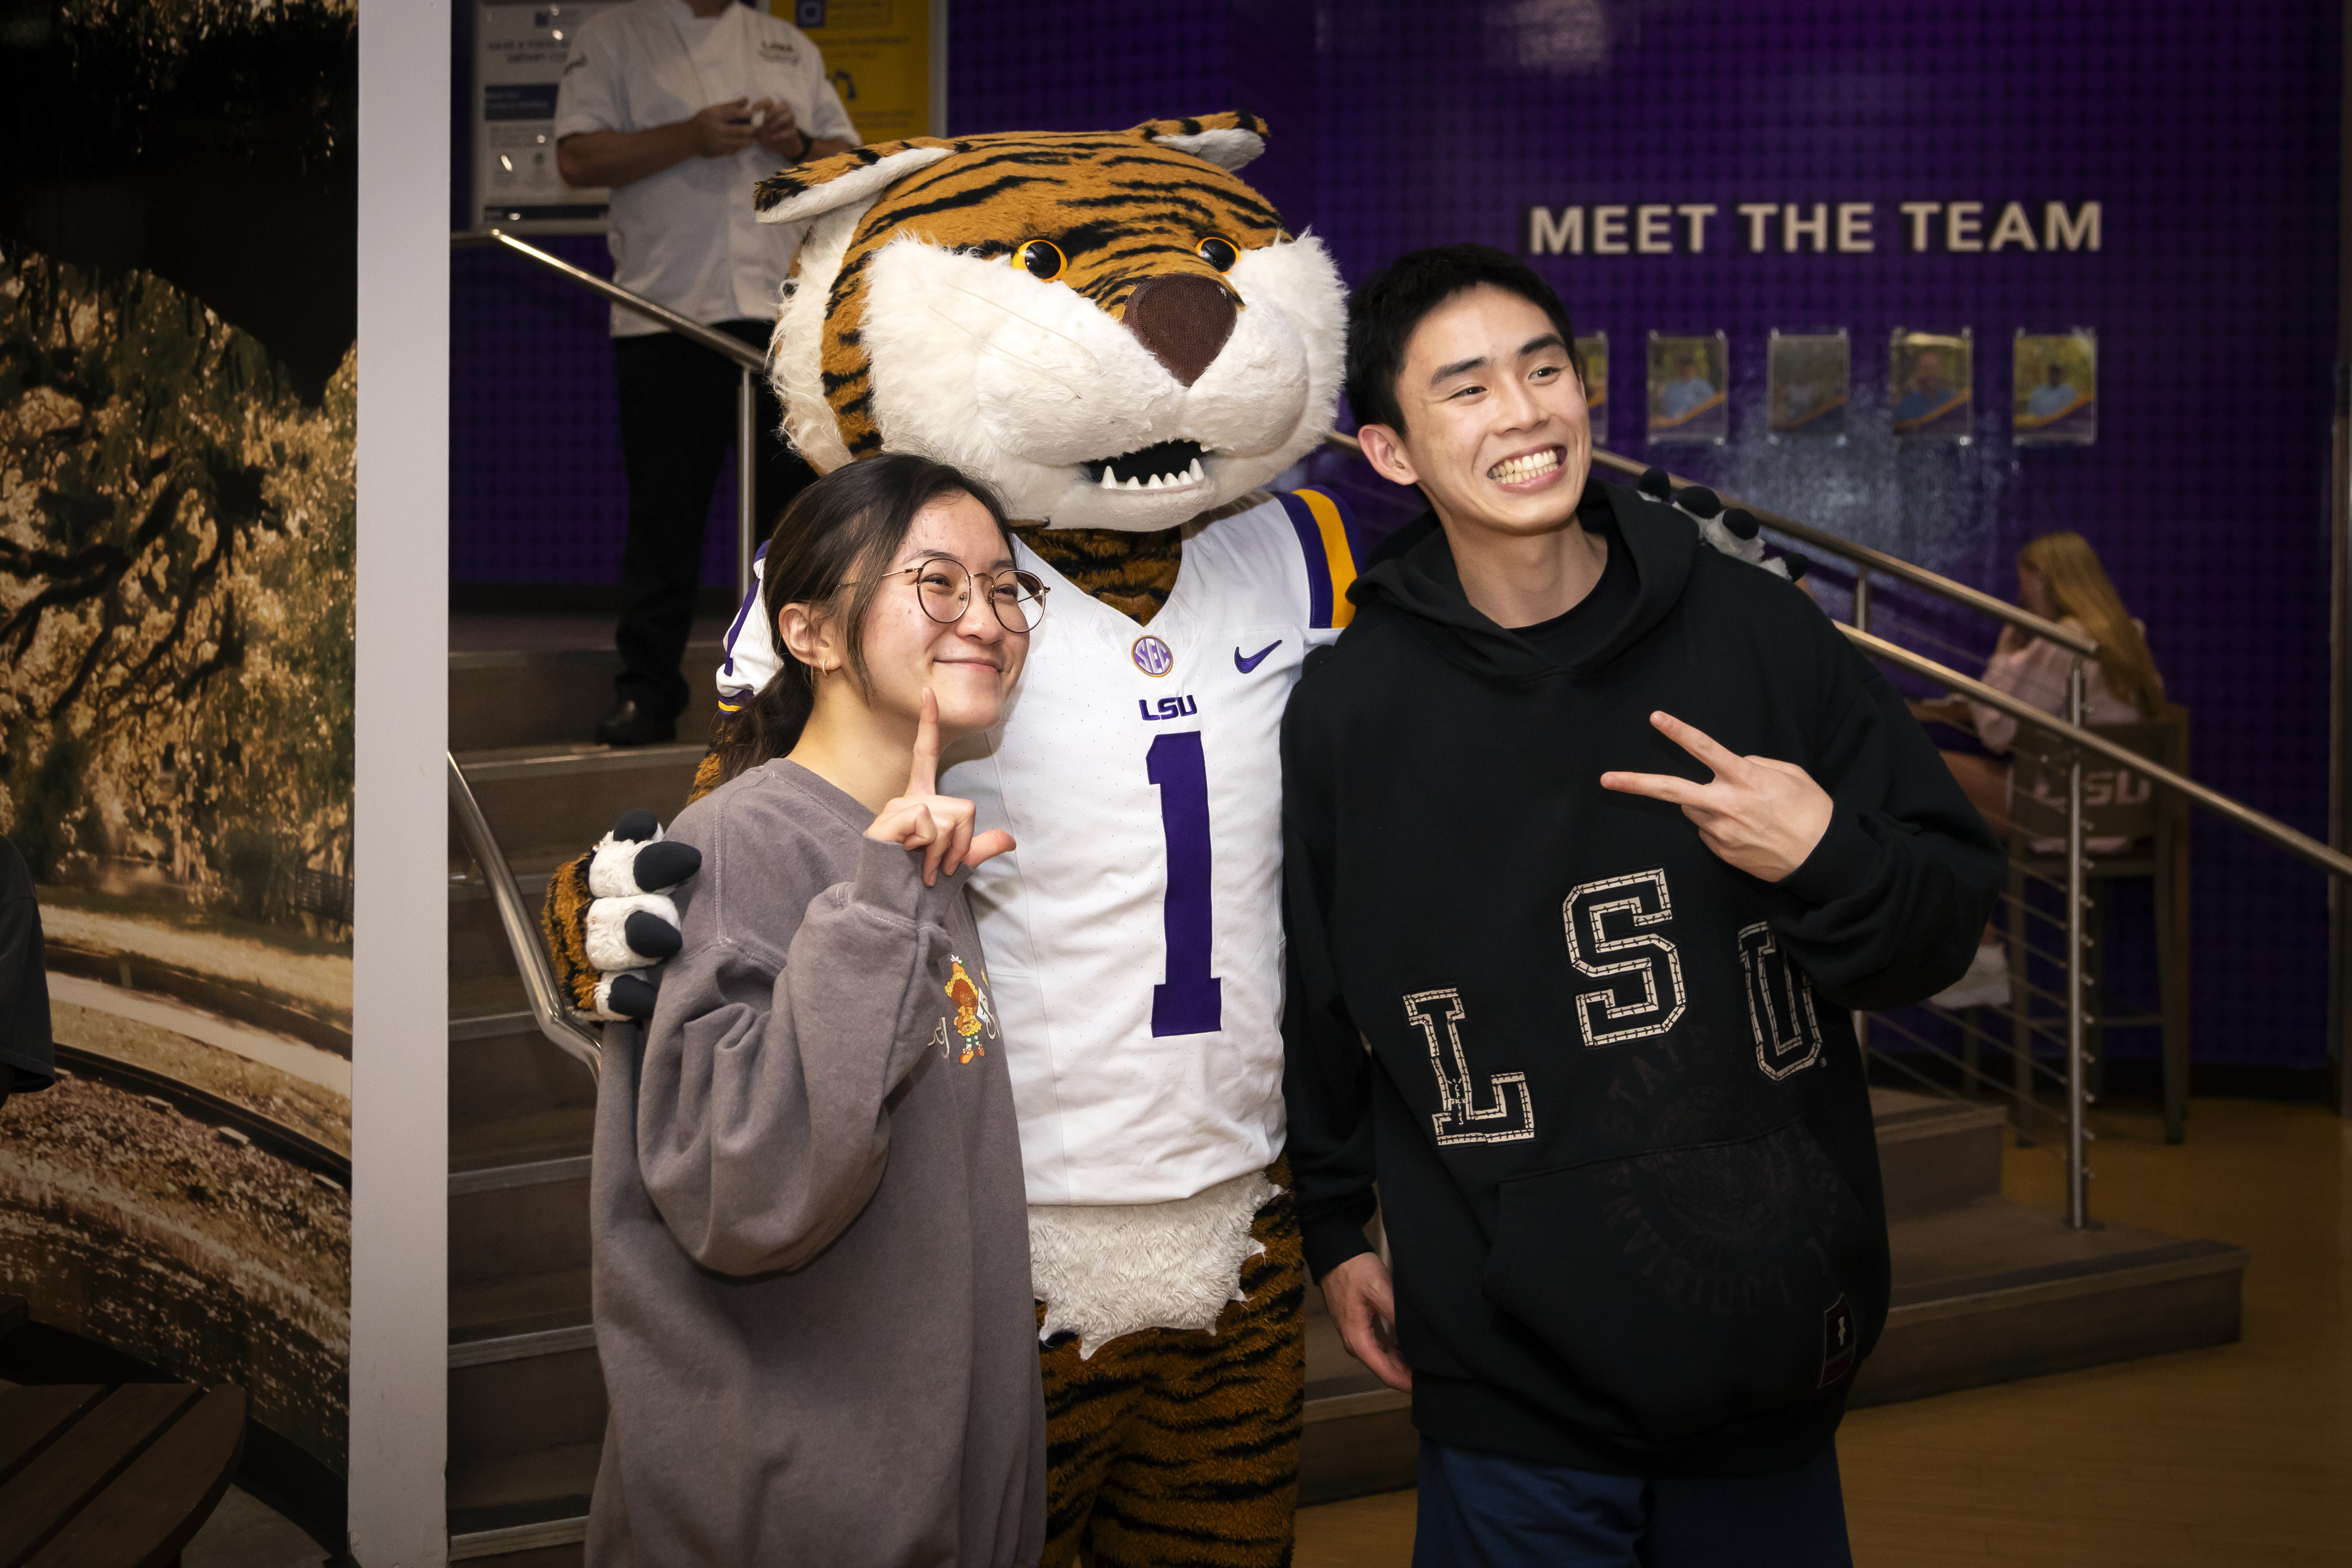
x=1118, y=334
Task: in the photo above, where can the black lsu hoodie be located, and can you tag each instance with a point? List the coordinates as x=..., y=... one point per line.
x=1608, y=1085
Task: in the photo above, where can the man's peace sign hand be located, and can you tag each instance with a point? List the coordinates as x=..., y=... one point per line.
x=1760, y=815
x=923, y=818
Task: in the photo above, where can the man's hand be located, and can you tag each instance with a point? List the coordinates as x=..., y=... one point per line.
x=923, y=818
x=1760, y=815
x=616, y=158
x=778, y=130
x=723, y=129
x=1361, y=1300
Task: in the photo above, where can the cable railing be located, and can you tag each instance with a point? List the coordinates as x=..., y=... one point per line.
x=574, y=1032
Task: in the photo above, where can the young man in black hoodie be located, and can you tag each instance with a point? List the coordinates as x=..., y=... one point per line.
x=1594, y=836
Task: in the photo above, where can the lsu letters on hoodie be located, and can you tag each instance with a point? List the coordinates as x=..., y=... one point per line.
x=1608, y=1085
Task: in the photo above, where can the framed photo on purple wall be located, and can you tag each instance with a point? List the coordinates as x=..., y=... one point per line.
x=1690, y=385
x=1592, y=354
x=1809, y=378
x=1930, y=376
x=2055, y=398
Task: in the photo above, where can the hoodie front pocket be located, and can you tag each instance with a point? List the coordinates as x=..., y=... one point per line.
x=1691, y=1287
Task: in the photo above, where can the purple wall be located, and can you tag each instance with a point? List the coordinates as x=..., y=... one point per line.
x=2207, y=132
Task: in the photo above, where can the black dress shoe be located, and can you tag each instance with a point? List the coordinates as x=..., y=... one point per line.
x=631, y=725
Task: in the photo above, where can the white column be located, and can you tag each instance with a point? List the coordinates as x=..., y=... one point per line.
x=400, y=1305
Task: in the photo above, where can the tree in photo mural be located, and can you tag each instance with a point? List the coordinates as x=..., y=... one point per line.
x=176, y=575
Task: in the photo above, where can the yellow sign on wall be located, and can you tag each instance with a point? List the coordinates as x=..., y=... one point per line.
x=878, y=54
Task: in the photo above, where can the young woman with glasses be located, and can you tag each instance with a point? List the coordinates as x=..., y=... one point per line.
x=811, y=1264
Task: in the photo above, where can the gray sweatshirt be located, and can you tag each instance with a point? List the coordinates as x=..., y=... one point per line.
x=812, y=1260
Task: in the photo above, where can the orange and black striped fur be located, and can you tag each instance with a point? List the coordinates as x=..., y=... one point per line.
x=1118, y=207
x=1170, y=1447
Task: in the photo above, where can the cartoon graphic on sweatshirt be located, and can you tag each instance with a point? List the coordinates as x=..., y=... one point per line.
x=971, y=1011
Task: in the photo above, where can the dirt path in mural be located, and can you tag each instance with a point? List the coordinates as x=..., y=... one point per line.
x=291, y=1057
x=322, y=981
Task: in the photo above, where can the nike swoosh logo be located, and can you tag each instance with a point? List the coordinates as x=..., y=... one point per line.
x=1255, y=660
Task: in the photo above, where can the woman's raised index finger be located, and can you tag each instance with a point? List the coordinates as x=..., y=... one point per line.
x=923, y=772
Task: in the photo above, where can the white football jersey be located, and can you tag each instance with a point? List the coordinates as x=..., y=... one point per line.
x=1134, y=938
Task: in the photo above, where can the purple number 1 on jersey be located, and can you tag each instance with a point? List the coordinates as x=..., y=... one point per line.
x=1192, y=1001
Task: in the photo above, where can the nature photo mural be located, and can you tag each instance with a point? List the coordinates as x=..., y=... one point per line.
x=177, y=395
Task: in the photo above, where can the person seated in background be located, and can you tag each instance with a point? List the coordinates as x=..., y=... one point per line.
x=2059, y=578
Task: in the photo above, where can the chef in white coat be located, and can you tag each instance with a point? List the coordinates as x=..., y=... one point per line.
x=679, y=107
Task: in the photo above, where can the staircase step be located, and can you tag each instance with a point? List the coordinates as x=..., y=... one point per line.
x=534, y=1230
x=550, y=696
x=518, y=1304
x=548, y=1488
x=1994, y=1291
x=515, y=1099
x=1360, y=1437
x=477, y=940
x=485, y=1005
x=523, y=1346
x=547, y=804
x=1936, y=1154
x=498, y=1409
x=530, y=1173
x=521, y=1548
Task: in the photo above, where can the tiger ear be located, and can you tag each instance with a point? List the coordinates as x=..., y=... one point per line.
x=1228, y=140
x=803, y=191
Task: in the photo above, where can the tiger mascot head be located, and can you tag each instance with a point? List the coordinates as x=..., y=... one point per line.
x=1109, y=327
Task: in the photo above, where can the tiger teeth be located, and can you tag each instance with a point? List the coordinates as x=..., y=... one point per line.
x=1194, y=475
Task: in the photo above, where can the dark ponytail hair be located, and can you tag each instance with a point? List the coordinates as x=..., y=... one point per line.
x=844, y=529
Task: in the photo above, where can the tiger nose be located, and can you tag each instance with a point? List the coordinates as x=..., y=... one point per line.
x=1182, y=320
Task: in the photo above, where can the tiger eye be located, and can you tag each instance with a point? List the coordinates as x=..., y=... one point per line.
x=1041, y=259
x=1218, y=252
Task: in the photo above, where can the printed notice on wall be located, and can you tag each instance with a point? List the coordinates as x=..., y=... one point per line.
x=519, y=54
x=877, y=53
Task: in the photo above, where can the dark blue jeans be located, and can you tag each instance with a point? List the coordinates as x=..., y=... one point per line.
x=1479, y=1510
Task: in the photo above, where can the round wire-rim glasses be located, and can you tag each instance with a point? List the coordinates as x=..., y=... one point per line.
x=943, y=588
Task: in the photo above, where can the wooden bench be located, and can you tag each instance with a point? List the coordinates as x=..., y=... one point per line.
x=92, y=1477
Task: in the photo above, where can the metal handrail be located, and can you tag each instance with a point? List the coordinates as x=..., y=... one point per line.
x=2333, y=861
x=749, y=362
x=574, y=1032
x=1895, y=566
x=718, y=342
x=1865, y=558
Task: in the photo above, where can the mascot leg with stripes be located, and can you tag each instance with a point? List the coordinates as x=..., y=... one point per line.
x=1118, y=334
